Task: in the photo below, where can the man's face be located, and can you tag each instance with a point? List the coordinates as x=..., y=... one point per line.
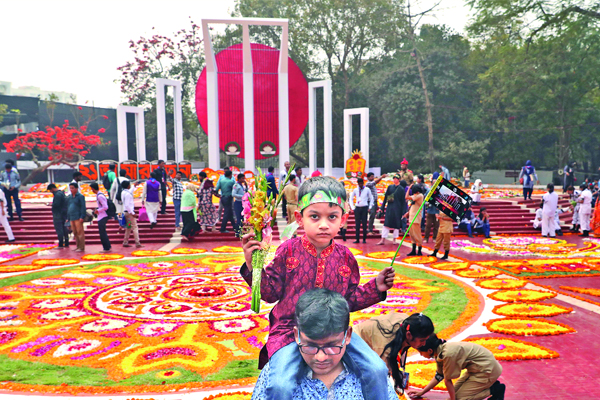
x=570, y=192
x=321, y=222
x=162, y=164
x=73, y=190
x=403, y=167
x=371, y=178
x=241, y=181
x=396, y=181
x=321, y=363
x=78, y=178
x=286, y=165
x=178, y=176
x=360, y=184
x=299, y=172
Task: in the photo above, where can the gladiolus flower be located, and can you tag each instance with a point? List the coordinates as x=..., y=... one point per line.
x=80, y=108
x=101, y=130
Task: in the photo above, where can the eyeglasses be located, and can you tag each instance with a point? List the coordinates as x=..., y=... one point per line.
x=327, y=350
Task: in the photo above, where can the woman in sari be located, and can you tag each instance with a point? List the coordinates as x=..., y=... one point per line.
x=189, y=213
x=395, y=200
x=595, y=223
x=208, y=216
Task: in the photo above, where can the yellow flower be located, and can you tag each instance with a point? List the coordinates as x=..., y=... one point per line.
x=259, y=205
x=260, y=196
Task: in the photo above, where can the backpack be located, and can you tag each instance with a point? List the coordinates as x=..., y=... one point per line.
x=106, y=182
x=119, y=190
x=112, y=209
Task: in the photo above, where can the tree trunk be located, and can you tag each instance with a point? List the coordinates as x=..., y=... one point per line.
x=428, y=106
x=35, y=173
x=299, y=158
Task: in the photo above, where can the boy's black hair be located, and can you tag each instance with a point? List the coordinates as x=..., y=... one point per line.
x=550, y=187
x=125, y=184
x=324, y=183
x=74, y=185
x=432, y=343
x=240, y=176
x=161, y=161
x=297, y=168
x=112, y=167
x=271, y=168
x=360, y=180
x=570, y=188
x=51, y=186
x=94, y=186
x=417, y=189
x=292, y=177
x=228, y=173
x=370, y=174
x=123, y=173
x=202, y=174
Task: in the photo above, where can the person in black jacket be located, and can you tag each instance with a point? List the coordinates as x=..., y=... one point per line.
x=162, y=178
x=59, y=215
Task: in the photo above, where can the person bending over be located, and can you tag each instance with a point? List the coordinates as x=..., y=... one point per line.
x=322, y=335
x=482, y=370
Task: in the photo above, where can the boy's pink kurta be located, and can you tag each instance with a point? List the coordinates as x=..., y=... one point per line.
x=296, y=269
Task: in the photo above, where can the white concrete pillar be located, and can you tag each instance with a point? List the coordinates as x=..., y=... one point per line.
x=161, y=118
x=212, y=99
x=364, y=133
x=140, y=133
x=327, y=125
x=248, y=95
x=284, y=100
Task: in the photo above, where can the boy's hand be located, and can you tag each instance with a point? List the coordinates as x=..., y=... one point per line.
x=385, y=279
x=249, y=245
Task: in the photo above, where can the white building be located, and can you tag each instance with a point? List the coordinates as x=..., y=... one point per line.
x=7, y=89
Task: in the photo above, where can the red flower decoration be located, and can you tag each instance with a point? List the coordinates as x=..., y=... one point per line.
x=101, y=130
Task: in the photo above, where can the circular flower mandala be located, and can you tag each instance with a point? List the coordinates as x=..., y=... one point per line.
x=530, y=310
x=477, y=273
x=501, y=283
x=420, y=260
x=149, y=253
x=450, y=266
x=523, y=295
x=47, y=262
x=187, y=250
x=102, y=257
x=527, y=326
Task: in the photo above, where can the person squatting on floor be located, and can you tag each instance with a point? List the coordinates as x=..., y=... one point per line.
x=316, y=254
x=480, y=380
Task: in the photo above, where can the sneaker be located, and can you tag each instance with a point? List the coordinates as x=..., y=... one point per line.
x=21, y=219
x=11, y=219
x=79, y=250
x=139, y=245
x=10, y=241
x=126, y=245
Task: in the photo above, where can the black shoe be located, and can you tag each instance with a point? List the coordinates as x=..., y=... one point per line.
x=497, y=391
x=585, y=234
x=364, y=241
x=11, y=219
x=225, y=231
x=152, y=225
x=356, y=241
x=21, y=219
x=470, y=235
x=434, y=254
x=420, y=253
x=10, y=241
x=414, y=251
x=445, y=257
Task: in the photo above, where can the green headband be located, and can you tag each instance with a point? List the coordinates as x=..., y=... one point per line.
x=320, y=197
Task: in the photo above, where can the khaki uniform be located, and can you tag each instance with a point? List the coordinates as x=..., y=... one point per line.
x=482, y=369
x=369, y=331
x=407, y=176
x=290, y=192
x=415, y=229
x=444, y=232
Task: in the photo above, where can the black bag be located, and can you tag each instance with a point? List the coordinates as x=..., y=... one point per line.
x=119, y=190
x=112, y=209
x=106, y=182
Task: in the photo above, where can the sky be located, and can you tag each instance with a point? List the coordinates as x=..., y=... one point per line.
x=75, y=46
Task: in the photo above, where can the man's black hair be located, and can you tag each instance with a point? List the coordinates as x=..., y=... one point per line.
x=292, y=178
x=125, y=184
x=202, y=174
x=74, y=185
x=370, y=174
x=226, y=169
x=360, y=180
x=76, y=174
x=417, y=189
x=112, y=167
x=321, y=313
x=570, y=188
x=271, y=168
x=123, y=173
x=160, y=161
x=94, y=186
x=51, y=186
x=240, y=176
x=324, y=183
x=228, y=173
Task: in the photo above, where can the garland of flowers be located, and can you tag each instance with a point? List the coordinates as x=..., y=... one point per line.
x=6, y=269
x=501, y=283
x=228, y=249
x=149, y=253
x=450, y=266
x=477, y=273
x=527, y=326
x=382, y=255
x=571, y=295
x=102, y=257
x=505, y=349
x=51, y=262
x=187, y=250
x=420, y=260
x=521, y=296
x=588, y=291
x=530, y=310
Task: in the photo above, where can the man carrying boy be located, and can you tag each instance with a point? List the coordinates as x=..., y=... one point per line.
x=315, y=261
x=322, y=333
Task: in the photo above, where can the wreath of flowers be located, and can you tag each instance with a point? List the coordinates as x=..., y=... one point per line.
x=477, y=273
x=187, y=250
x=102, y=257
x=382, y=255
x=521, y=296
x=6, y=269
x=450, y=266
x=506, y=349
x=527, y=326
x=501, y=283
x=230, y=396
x=420, y=260
x=149, y=253
x=588, y=291
x=587, y=300
x=530, y=310
x=48, y=262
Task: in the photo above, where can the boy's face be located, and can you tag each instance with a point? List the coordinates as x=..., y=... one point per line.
x=371, y=178
x=299, y=172
x=321, y=363
x=178, y=176
x=321, y=222
x=73, y=190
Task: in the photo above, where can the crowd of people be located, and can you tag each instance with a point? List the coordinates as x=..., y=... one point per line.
x=313, y=351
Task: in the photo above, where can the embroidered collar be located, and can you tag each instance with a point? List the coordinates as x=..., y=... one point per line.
x=312, y=250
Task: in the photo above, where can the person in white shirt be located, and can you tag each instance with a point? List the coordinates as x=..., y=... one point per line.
x=364, y=202
x=282, y=177
x=299, y=177
x=550, y=200
x=4, y=218
x=129, y=210
x=476, y=191
x=537, y=222
x=585, y=210
x=114, y=190
x=77, y=177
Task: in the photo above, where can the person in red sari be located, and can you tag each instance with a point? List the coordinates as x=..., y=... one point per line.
x=315, y=261
x=595, y=223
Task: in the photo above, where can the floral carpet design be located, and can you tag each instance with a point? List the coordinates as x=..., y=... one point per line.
x=530, y=246
x=11, y=252
x=179, y=319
